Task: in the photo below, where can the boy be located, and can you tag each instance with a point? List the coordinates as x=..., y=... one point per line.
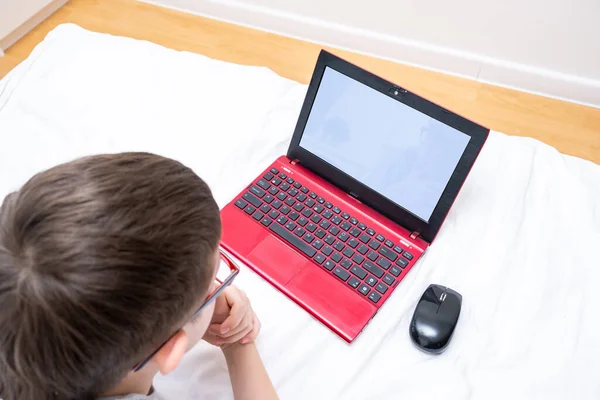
x=104, y=263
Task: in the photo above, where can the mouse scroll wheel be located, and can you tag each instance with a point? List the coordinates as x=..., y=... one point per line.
x=443, y=297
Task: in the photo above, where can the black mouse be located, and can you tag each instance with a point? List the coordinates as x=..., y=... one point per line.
x=435, y=318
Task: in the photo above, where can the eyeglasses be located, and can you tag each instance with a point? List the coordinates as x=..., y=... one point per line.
x=226, y=273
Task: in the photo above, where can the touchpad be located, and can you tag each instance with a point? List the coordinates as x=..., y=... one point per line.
x=277, y=260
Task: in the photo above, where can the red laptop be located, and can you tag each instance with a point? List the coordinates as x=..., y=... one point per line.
x=366, y=184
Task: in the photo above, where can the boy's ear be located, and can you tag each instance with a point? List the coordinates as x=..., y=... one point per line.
x=170, y=355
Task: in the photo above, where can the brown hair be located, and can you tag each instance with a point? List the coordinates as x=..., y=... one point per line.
x=100, y=260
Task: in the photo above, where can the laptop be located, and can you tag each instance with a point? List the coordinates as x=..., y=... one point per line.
x=369, y=177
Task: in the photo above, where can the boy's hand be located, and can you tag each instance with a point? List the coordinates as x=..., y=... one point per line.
x=233, y=320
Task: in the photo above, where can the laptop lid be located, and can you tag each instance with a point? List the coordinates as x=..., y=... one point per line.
x=396, y=152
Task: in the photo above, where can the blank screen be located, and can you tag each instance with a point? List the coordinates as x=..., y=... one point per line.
x=399, y=152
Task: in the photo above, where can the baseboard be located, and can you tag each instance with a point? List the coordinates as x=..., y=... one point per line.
x=31, y=23
x=450, y=61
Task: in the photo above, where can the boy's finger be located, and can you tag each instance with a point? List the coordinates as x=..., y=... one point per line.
x=244, y=324
x=239, y=307
x=250, y=337
x=234, y=338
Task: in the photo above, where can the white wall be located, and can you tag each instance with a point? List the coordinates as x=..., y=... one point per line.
x=543, y=46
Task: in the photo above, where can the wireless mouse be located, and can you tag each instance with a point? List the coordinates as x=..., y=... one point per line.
x=435, y=318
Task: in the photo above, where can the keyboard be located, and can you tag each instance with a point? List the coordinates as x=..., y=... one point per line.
x=345, y=247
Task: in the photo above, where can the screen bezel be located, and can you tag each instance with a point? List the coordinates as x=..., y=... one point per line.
x=477, y=133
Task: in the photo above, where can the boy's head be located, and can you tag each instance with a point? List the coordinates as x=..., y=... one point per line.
x=101, y=259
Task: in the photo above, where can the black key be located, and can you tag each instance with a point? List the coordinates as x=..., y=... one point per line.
x=348, y=252
x=387, y=253
x=353, y=221
x=407, y=255
x=274, y=214
x=355, y=232
x=318, y=208
x=290, y=201
x=307, y=212
x=345, y=225
x=329, y=239
x=282, y=196
x=268, y=199
x=402, y=262
x=320, y=233
x=380, y=237
x=241, y=204
x=317, y=244
x=311, y=227
x=365, y=238
x=297, y=185
x=293, y=240
x=290, y=181
x=346, y=263
x=304, y=189
x=336, y=220
x=298, y=207
x=371, y=281
x=302, y=221
x=334, y=230
x=263, y=184
x=252, y=199
x=358, y=271
x=266, y=221
x=372, y=256
x=265, y=208
x=290, y=226
x=276, y=181
x=301, y=197
x=389, y=243
x=319, y=258
x=374, y=269
x=374, y=244
x=327, y=214
x=285, y=210
x=381, y=288
x=327, y=250
x=395, y=271
x=308, y=238
x=374, y=297
x=299, y=231
x=337, y=257
x=293, y=192
x=268, y=176
x=362, y=226
x=320, y=200
x=282, y=220
x=358, y=259
x=353, y=243
x=294, y=215
x=344, y=236
x=310, y=203
x=362, y=249
x=364, y=290
x=273, y=190
x=353, y=282
x=274, y=171
x=339, y=246
x=336, y=210
x=282, y=176
x=345, y=215
x=370, y=231
x=316, y=218
x=325, y=224
x=313, y=195
x=384, y=263
x=284, y=186
x=398, y=249
x=388, y=279
x=249, y=210
x=329, y=265
x=328, y=205
x=341, y=273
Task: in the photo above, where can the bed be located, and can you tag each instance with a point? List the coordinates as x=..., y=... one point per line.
x=521, y=244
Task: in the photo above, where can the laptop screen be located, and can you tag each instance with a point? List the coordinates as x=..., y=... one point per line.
x=397, y=151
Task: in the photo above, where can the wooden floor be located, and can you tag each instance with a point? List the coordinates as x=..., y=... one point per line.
x=573, y=129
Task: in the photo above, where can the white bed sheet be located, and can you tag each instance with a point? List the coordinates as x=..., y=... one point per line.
x=521, y=243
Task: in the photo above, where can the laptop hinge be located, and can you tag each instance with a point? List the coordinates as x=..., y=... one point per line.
x=414, y=235
x=294, y=162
